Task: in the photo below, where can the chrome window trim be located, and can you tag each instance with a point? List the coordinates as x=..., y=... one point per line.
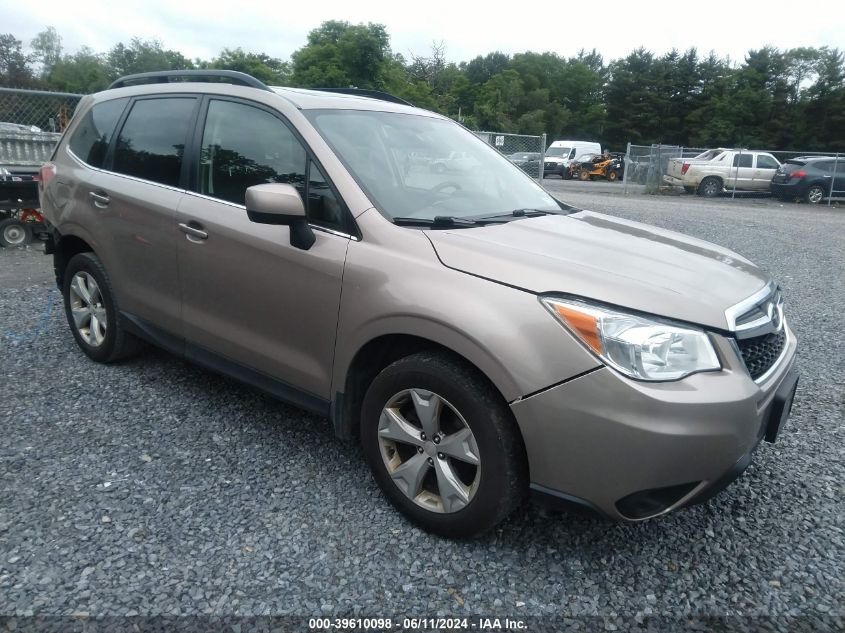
x=316, y=227
x=116, y=173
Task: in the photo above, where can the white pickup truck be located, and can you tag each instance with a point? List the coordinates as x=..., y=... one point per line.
x=718, y=170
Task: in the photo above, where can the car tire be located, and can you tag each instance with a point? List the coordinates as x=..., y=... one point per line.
x=710, y=187
x=92, y=311
x=815, y=194
x=583, y=175
x=612, y=176
x=14, y=232
x=443, y=492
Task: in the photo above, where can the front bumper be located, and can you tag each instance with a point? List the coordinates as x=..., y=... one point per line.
x=633, y=450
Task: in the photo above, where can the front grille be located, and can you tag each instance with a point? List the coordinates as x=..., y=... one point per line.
x=761, y=352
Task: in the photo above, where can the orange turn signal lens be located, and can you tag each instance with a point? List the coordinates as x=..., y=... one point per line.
x=584, y=324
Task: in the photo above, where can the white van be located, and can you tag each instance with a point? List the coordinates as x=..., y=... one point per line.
x=561, y=153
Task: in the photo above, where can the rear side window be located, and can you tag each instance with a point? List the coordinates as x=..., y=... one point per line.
x=829, y=165
x=743, y=160
x=92, y=136
x=152, y=141
x=766, y=162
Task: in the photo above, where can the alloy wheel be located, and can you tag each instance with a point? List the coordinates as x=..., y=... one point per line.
x=815, y=195
x=86, y=306
x=429, y=450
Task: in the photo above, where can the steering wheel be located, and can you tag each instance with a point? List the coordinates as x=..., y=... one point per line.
x=446, y=185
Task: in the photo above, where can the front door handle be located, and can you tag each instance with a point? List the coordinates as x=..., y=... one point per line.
x=100, y=198
x=193, y=230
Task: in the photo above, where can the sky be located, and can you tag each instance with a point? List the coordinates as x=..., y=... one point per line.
x=202, y=28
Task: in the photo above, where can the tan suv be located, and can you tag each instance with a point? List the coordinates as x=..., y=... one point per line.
x=481, y=339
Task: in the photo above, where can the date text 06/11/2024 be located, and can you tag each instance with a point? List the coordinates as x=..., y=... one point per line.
x=416, y=624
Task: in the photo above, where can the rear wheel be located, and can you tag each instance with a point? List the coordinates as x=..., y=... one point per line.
x=710, y=187
x=92, y=312
x=443, y=445
x=584, y=175
x=13, y=232
x=815, y=194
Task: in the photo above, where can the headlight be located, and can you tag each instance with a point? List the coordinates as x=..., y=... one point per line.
x=639, y=347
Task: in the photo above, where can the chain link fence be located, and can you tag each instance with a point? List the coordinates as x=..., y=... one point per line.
x=46, y=111
x=525, y=151
x=745, y=172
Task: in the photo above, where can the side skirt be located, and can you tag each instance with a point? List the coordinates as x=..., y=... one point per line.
x=225, y=366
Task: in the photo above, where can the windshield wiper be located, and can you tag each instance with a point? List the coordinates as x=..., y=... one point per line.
x=517, y=213
x=444, y=221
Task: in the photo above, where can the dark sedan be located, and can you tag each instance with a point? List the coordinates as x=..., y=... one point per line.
x=810, y=178
x=529, y=162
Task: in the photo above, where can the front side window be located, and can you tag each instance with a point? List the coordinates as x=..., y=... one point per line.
x=152, y=141
x=244, y=146
x=92, y=136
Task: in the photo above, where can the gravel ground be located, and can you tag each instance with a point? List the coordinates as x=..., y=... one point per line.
x=153, y=487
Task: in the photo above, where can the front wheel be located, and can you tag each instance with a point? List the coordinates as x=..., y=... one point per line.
x=613, y=176
x=14, y=232
x=443, y=445
x=815, y=194
x=584, y=175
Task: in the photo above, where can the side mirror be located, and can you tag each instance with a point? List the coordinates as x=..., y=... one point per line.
x=280, y=204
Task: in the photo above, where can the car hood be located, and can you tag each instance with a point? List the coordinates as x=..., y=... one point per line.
x=607, y=259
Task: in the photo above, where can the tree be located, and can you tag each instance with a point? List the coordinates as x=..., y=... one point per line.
x=143, y=56
x=339, y=54
x=82, y=72
x=268, y=69
x=497, y=107
x=14, y=64
x=46, y=50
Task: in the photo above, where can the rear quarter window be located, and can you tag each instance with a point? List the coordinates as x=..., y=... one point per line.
x=92, y=136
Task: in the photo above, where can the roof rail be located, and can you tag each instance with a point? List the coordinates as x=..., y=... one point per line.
x=166, y=76
x=364, y=92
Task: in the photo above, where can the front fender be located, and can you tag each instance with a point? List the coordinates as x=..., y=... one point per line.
x=398, y=286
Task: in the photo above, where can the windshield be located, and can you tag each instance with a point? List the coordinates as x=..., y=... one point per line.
x=558, y=151
x=424, y=167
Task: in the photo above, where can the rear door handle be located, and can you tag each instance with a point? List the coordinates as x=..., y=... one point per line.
x=100, y=198
x=193, y=230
